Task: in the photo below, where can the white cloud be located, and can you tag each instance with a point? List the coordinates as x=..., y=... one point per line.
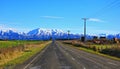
x=53, y=17
x=95, y=20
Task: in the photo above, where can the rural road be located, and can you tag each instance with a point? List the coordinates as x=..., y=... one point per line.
x=60, y=56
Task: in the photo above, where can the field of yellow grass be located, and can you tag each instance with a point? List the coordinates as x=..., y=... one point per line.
x=10, y=56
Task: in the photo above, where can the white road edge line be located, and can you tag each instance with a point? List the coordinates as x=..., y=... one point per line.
x=84, y=68
x=34, y=59
x=112, y=63
x=73, y=58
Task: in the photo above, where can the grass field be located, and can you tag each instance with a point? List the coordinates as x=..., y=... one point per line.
x=6, y=44
x=15, y=52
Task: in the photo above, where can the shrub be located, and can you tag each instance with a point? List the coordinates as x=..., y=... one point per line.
x=94, y=48
x=111, y=51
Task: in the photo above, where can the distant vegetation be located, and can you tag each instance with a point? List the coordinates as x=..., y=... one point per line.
x=108, y=47
x=14, y=52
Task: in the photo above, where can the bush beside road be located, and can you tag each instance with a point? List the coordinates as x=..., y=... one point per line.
x=107, y=50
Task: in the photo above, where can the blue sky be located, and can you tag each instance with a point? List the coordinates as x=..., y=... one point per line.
x=25, y=15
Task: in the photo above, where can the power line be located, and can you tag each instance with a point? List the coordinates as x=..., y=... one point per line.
x=117, y=5
x=112, y=4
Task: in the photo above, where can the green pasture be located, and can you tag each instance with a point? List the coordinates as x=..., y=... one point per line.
x=6, y=44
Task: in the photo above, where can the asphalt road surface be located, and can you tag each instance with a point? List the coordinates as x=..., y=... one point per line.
x=60, y=56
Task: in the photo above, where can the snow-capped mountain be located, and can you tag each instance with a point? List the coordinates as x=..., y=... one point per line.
x=44, y=34
x=40, y=31
x=9, y=34
x=36, y=34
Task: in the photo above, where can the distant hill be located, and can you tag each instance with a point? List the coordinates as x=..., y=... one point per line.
x=37, y=34
x=44, y=34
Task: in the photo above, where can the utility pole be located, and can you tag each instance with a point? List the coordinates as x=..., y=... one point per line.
x=68, y=33
x=84, y=28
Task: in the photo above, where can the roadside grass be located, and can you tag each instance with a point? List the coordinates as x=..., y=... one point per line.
x=103, y=46
x=18, y=57
x=97, y=52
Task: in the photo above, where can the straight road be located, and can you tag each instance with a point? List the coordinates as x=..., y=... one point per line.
x=60, y=56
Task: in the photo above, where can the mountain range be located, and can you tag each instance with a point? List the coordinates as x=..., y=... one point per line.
x=44, y=34
x=37, y=34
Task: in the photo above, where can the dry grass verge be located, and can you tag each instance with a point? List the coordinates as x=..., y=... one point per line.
x=9, y=57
